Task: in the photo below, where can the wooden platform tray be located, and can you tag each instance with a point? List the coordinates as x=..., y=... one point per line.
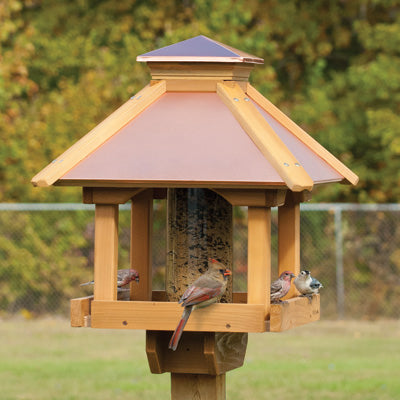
x=164, y=316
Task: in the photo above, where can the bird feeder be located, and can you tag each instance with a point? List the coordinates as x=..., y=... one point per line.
x=202, y=136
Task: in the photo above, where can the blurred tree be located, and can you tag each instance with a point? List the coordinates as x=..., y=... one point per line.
x=332, y=66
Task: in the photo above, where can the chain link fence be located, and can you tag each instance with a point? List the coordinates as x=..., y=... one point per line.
x=46, y=251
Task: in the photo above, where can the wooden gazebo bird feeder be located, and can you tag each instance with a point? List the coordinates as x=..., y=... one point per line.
x=200, y=135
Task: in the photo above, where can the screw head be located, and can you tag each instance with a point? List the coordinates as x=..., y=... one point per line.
x=235, y=99
x=286, y=164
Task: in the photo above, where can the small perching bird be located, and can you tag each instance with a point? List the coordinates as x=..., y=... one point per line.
x=205, y=290
x=281, y=286
x=124, y=277
x=306, y=284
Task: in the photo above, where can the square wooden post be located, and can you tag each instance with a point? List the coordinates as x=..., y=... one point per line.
x=141, y=231
x=259, y=256
x=197, y=386
x=289, y=238
x=106, y=252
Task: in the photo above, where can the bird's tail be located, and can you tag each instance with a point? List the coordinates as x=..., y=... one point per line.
x=87, y=283
x=173, y=343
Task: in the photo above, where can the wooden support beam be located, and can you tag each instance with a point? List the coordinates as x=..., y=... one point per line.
x=139, y=315
x=259, y=257
x=264, y=137
x=284, y=120
x=92, y=195
x=220, y=317
x=106, y=252
x=197, y=386
x=161, y=295
x=289, y=239
x=294, y=312
x=141, y=232
x=99, y=134
x=253, y=197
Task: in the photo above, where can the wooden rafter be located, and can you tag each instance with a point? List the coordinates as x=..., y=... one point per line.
x=264, y=137
x=284, y=120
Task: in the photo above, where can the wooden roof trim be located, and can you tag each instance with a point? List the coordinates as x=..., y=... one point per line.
x=197, y=59
x=169, y=184
x=264, y=137
x=309, y=141
x=99, y=134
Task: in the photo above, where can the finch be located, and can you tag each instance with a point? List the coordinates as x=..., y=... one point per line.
x=202, y=292
x=306, y=284
x=281, y=286
x=124, y=277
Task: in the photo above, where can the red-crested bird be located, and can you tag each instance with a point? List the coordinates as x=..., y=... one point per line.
x=205, y=290
x=124, y=277
x=281, y=286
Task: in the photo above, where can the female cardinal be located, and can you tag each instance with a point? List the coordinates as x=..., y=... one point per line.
x=203, y=292
x=281, y=286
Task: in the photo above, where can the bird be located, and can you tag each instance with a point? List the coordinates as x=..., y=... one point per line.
x=281, y=286
x=306, y=284
x=124, y=277
x=205, y=290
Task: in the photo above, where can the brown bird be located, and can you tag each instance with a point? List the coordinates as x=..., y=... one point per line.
x=124, y=277
x=281, y=286
x=204, y=291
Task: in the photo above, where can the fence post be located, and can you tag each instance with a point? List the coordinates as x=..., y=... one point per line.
x=339, y=262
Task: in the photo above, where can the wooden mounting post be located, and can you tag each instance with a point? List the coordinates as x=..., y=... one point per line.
x=197, y=386
x=106, y=252
x=289, y=238
x=199, y=364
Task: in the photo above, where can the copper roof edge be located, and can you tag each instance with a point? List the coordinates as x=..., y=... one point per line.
x=247, y=60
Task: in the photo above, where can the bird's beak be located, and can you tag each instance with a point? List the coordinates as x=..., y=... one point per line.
x=227, y=272
x=292, y=275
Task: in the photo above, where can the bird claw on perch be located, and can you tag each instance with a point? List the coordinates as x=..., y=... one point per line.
x=309, y=297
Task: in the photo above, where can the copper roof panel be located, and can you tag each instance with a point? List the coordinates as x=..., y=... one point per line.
x=199, y=48
x=181, y=137
x=316, y=167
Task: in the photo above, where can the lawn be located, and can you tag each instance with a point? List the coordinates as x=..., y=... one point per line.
x=46, y=359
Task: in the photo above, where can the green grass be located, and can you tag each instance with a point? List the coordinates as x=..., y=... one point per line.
x=46, y=359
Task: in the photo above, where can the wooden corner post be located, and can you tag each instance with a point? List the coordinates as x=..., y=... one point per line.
x=141, y=230
x=289, y=238
x=259, y=257
x=106, y=252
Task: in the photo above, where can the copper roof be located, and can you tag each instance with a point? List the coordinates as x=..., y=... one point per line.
x=199, y=49
x=181, y=138
x=216, y=133
x=187, y=138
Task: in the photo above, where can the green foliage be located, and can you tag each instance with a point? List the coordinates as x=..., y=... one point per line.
x=66, y=65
